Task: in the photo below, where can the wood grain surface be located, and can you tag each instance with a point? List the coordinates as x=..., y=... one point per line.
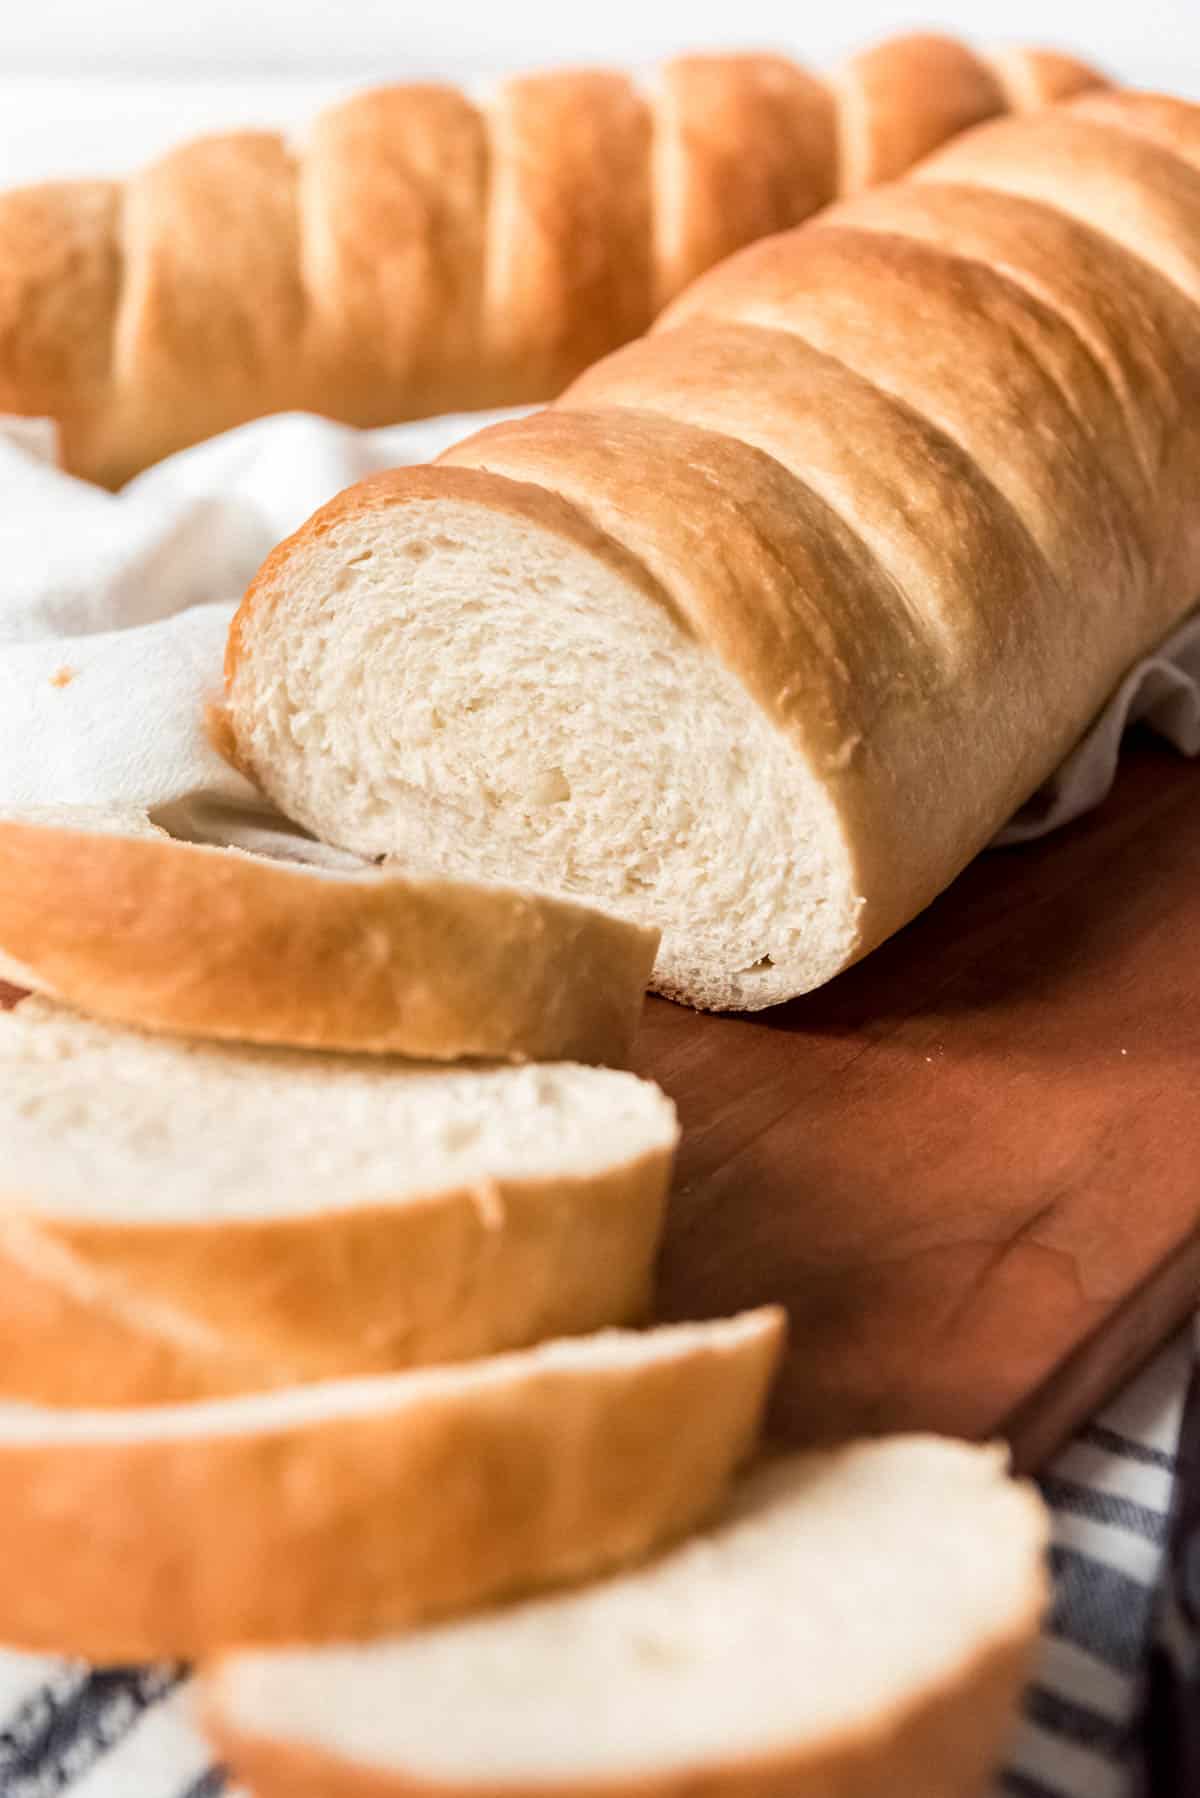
x=970, y=1167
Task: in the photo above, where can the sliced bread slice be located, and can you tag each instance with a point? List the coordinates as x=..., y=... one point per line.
x=182, y=1219
x=106, y=911
x=858, y=1623
x=346, y=1509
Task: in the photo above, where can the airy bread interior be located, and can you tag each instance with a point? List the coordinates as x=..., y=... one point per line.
x=100, y=1121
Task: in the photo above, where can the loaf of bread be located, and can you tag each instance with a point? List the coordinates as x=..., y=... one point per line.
x=100, y=908
x=766, y=628
x=858, y=1623
x=181, y=1219
x=423, y=251
x=342, y=1510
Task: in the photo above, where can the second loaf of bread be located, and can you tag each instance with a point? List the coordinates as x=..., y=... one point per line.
x=765, y=629
x=424, y=252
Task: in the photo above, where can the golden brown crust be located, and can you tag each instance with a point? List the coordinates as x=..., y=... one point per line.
x=990, y=356
x=393, y=200
x=859, y=448
x=1033, y=77
x=943, y=1743
x=102, y=1314
x=142, y=1546
x=903, y=98
x=1174, y=125
x=60, y=283
x=987, y=359
x=1138, y=330
x=421, y=254
x=204, y=339
x=1112, y=179
x=192, y=940
x=568, y=270
x=743, y=146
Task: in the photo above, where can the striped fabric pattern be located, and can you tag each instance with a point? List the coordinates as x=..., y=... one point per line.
x=126, y=1732
x=1112, y=1492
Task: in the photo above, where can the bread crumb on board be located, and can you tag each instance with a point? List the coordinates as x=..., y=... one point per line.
x=62, y=677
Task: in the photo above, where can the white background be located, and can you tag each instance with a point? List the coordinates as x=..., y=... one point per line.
x=358, y=35
x=93, y=85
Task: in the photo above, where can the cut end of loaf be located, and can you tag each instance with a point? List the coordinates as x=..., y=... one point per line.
x=456, y=671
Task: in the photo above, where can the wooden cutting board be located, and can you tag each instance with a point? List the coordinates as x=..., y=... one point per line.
x=970, y=1167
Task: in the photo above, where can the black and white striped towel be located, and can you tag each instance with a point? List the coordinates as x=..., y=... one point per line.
x=1088, y=1728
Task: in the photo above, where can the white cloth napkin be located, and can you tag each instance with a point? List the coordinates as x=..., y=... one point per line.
x=113, y=614
x=114, y=607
